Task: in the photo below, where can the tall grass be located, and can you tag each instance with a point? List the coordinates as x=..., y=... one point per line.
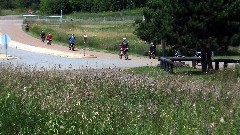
x=115, y=101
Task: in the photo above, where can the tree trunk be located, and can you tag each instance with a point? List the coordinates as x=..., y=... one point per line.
x=209, y=59
x=204, y=60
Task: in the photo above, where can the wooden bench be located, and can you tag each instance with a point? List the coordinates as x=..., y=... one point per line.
x=167, y=63
x=192, y=59
x=225, y=62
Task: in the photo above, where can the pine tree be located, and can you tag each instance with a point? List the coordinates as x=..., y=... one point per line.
x=208, y=24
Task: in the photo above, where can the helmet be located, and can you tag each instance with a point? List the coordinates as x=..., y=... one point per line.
x=124, y=38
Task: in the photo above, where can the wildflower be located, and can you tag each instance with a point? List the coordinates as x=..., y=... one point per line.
x=8, y=95
x=214, y=88
x=211, y=127
x=222, y=120
x=24, y=89
x=61, y=127
x=96, y=113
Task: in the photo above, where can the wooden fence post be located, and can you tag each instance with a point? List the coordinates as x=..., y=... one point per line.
x=204, y=60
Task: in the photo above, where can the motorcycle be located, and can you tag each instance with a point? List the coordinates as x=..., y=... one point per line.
x=151, y=54
x=178, y=53
x=71, y=46
x=49, y=42
x=27, y=28
x=123, y=52
x=43, y=38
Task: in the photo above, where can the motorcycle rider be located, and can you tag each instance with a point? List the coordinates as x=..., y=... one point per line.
x=124, y=45
x=178, y=53
x=49, y=38
x=27, y=27
x=71, y=41
x=152, y=48
x=198, y=54
x=43, y=36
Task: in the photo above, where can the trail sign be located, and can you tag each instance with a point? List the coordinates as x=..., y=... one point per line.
x=5, y=40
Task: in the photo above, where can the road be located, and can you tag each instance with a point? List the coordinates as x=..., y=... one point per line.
x=29, y=51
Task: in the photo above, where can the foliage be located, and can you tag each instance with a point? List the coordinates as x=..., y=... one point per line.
x=21, y=4
x=134, y=13
x=69, y=6
x=12, y=12
x=190, y=24
x=112, y=101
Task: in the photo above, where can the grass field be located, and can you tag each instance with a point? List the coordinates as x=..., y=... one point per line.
x=142, y=100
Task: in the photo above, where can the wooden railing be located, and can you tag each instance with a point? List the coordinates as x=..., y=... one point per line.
x=167, y=63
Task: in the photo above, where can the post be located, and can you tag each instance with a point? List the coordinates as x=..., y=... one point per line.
x=85, y=42
x=61, y=16
x=194, y=63
x=170, y=67
x=6, y=44
x=216, y=65
x=204, y=60
x=225, y=64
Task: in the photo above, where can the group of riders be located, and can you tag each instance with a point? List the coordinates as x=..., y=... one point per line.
x=123, y=45
x=49, y=38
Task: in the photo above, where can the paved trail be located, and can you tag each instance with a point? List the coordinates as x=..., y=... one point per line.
x=32, y=52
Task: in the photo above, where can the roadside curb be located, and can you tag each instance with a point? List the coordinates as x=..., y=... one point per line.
x=8, y=57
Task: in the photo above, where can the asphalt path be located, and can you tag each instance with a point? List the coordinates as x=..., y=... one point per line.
x=57, y=56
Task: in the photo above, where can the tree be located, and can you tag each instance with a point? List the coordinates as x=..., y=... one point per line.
x=157, y=23
x=55, y=6
x=20, y=4
x=207, y=24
